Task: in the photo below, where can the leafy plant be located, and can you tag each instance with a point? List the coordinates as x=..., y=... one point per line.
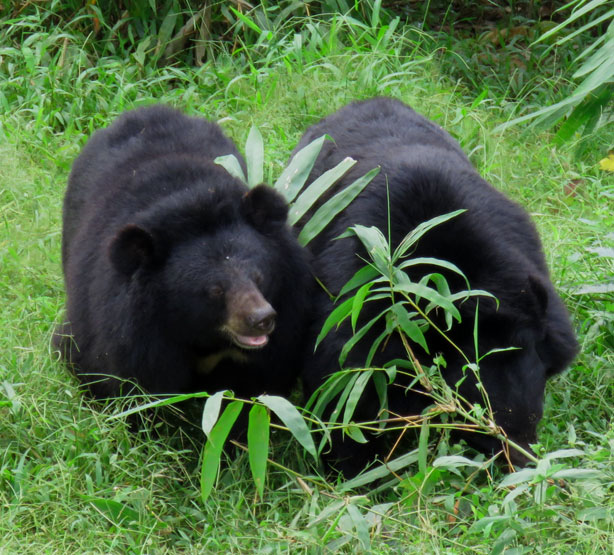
x=408, y=314
x=591, y=104
x=293, y=178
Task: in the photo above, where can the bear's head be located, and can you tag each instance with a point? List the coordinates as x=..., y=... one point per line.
x=213, y=266
x=522, y=343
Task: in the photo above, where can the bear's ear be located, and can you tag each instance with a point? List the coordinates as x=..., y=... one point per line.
x=130, y=249
x=264, y=207
x=540, y=293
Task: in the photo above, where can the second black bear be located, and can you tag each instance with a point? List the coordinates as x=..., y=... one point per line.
x=424, y=173
x=177, y=276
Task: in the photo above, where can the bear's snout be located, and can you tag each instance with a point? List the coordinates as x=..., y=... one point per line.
x=262, y=319
x=251, y=318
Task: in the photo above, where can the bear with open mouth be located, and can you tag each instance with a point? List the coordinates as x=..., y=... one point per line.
x=178, y=277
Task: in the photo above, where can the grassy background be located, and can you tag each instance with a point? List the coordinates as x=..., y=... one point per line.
x=73, y=479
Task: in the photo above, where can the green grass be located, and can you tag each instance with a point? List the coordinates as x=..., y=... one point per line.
x=74, y=480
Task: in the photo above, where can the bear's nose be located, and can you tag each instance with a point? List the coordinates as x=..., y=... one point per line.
x=263, y=319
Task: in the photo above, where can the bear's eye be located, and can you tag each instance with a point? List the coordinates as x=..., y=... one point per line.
x=216, y=291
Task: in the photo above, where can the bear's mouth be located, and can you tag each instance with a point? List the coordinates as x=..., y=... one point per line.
x=247, y=341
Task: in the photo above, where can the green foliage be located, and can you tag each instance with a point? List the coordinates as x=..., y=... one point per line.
x=408, y=314
x=591, y=104
x=294, y=177
x=73, y=478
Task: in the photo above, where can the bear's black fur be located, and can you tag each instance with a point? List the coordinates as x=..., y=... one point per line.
x=426, y=174
x=178, y=277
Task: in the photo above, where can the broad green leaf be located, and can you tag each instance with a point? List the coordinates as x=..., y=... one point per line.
x=334, y=417
x=575, y=15
x=422, y=292
x=599, y=57
x=413, y=236
x=361, y=526
x=522, y=476
x=564, y=454
x=355, y=395
x=374, y=346
x=334, y=319
x=258, y=444
x=328, y=391
x=376, y=245
x=213, y=448
x=211, y=411
x=441, y=283
x=394, y=465
x=292, y=419
x=254, y=157
x=582, y=115
x=463, y=295
x=577, y=474
x=295, y=174
x=455, y=461
x=409, y=327
x=357, y=303
x=349, y=345
x=159, y=403
x=334, y=508
x=230, y=163
x=355, y=433
x=380, y=383
x=423, y=446
x=366, y=273
x=316, y=189
x=117, y=512
x=167, y=27
x=334, y=206
x=433, y=262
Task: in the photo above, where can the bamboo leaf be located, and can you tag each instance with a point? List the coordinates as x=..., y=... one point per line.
x=360, y=525
x=328, y=391
x=357, y=303
x=414, y=236
x=292, y=419
x=316, y=189
x=355, y=395
x=334, y=319
x=295, y=174
x=334, y=206
x=366, y=273
x=349, y=345
x=258, y=444
x=230, y=163
x=254, y=155
x=423, y=446
x=213, y=448
x=408, y=326
x=211, y=411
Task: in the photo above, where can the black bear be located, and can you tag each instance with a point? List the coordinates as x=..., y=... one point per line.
x=424, y=173
x=178, y=277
